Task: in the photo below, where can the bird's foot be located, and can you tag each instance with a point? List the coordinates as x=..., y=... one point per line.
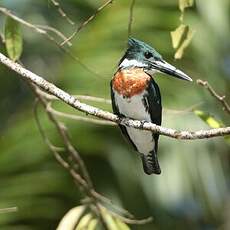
x=121, y=118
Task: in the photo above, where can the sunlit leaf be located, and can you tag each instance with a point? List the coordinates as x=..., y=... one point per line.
x=84, y=222
x=178, y=34
x=121, y=225
x=92, y=224
x=113, y=223
x=208, y=119
x=13, y=38
x=109, y=220
x=181, y=38
x=211, y=122
x=71, y=218
x=185, y=3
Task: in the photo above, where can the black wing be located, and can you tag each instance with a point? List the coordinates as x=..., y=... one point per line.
x=153, y=105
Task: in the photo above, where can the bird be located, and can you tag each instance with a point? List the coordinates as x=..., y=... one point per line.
x=136, y=95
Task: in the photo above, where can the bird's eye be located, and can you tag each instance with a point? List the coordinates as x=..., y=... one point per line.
x=148, y=54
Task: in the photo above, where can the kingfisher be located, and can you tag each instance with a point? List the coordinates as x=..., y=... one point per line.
x=136, y=95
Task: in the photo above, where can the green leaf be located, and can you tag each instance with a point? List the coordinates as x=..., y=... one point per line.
x=71, y=218
x=208, y=119
x=13, y=38
x=185, y=4
x=181, y=38
x=211, y=122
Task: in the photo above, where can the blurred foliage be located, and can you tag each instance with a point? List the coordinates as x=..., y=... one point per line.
x=193, y=191
x=183, y=4
x=181, y=38
x=209, y=119
x=13, y=38
x=183, y=34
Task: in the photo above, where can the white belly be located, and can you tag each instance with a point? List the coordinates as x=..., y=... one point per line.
x=133, y=108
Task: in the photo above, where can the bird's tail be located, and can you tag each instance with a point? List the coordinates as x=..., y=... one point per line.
x=150, y=163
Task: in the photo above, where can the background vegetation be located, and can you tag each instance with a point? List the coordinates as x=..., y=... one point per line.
x=193, y=190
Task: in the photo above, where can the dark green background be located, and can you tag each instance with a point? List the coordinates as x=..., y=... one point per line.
x=193, y=190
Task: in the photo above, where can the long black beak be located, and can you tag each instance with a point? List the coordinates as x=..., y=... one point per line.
x=164, y=67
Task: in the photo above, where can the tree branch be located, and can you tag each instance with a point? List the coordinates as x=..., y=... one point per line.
x=79, y=97
x=220, y=98
x=44, y=32
x=62, y=12
x=39, y=29
x=189, y=109
x=55, y=31
x=84, y=181
x=78, y=118
x=131, y=17
x=82, y=25
x=72, y=101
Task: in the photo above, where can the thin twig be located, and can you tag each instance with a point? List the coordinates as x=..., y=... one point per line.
x=132, y=221
x=79, y=118
x=183, y=111
x=72, y=101
x=36, y=28
x=82, y=25
x=79, y=97
x=126, y=219
x=42, y=132
x=131, y=17
x=61, y=11
x=76, y=176
x=48, y=36
x=220, y=98
x=108, y=101
x=78, y=179
x=84, y=182
x=65, y=137
x=107, y=201
x=54, y=30
x=16, y=18
x=110, y=123
x=53, y=148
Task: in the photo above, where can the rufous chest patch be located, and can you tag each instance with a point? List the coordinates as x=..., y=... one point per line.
x=130, y=82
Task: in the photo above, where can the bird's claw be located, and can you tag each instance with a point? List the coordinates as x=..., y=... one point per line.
x=121, y=119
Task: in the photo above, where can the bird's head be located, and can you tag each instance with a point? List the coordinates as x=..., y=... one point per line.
x=141, y=55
